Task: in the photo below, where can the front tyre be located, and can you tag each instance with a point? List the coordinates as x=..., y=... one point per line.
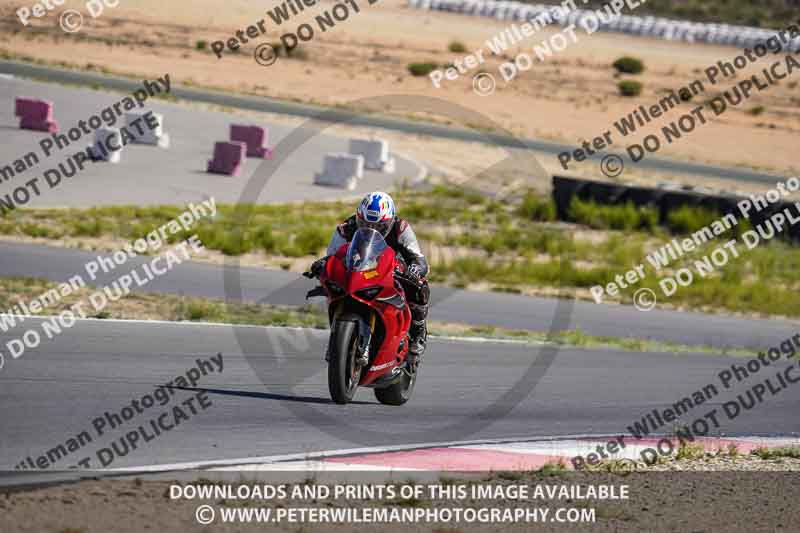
x=343, y=374
x=399, y=393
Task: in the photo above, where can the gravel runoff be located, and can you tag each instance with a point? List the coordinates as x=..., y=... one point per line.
x=703, y=494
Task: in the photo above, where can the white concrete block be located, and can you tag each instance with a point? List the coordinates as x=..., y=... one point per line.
x=153, y=137
x=341, y=170
x=105, y=139
x=375, y=153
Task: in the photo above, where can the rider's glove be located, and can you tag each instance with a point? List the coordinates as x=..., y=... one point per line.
x=317, y=267
x=414, y=272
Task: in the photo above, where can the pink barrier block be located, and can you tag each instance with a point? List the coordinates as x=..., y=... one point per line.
x=228, y=157
x=49, y=126
x=35, y=115
x=34, y=109
x=255, y=137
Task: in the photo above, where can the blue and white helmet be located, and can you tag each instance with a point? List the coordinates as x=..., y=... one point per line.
x=376, y=211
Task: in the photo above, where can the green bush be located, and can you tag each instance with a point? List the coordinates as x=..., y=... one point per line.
x=264, y=239
x=421, y=69
x=457, y=47
x=689, y=219
x=311, y=240
x=629, y=65
x=470, y=196
x=200, y=45
x=236, y=242
x=277, y=46
x=535, y=207
x=37, y=230
x=648, y=218
x=90, y=227
x=629, y=88
x=199, y=310
x=619, y=217
x=297, y=53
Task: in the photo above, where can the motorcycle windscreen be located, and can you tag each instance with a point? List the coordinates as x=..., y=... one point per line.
x=364, y=251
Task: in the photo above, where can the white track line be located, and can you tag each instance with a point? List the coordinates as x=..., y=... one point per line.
x=291, y=328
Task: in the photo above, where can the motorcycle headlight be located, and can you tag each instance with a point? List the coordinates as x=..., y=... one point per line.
x=369, y=293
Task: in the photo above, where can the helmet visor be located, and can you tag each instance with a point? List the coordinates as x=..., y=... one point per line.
x=382, y=226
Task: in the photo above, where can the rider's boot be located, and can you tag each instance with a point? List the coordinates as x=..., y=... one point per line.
x=419, y=336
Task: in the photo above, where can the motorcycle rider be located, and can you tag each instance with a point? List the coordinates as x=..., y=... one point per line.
x=377, y=211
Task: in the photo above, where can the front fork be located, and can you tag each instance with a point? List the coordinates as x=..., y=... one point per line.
x=364, y=339
x=365, y=332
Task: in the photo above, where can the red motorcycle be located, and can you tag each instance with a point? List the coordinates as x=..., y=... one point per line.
x=369, y=319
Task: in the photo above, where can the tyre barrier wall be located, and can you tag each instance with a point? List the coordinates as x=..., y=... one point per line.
x=647, y=26
x=666, y=200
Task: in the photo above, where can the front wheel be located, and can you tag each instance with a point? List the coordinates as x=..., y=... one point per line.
x=343, y=373
x=399, y=393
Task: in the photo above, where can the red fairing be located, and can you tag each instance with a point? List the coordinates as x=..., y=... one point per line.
x=396, y=320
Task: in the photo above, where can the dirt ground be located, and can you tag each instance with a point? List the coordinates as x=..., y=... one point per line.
x=570, y=97
x=667, y=501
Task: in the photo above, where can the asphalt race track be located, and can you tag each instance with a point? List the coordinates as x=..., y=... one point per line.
x=148, y=175
x=480, y=308
x=271, y=397
x=275, y=401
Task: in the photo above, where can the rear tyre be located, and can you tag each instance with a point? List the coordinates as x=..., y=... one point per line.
x=343, y=375
x=399, y=393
